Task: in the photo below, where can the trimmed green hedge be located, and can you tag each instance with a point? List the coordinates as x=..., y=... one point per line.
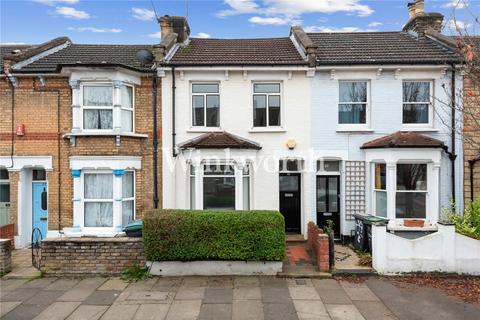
x=187, y=235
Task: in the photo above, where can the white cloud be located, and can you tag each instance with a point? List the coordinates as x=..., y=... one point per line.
x=202, y=35
x=457, y=4
x=456, y=24
x=143, y=14
x=239, y=7
x=272, y=21
x=12, y=43
x=52, y=2
x=95, y=30
x=72, y=13
x=295, y=8
x=156, y=35
x=375, y=24
x=336, y=29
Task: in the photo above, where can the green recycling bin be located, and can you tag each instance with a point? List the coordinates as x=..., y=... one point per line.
x=134, y=228
x=363, y=230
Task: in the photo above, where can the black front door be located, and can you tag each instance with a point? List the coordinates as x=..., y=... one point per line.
x=328, y=202
x=290, y=205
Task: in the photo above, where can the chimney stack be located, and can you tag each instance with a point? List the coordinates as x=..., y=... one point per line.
x=174, y=24
x=420, y=22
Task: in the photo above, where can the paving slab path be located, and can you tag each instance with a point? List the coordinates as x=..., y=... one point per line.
x=237, y=298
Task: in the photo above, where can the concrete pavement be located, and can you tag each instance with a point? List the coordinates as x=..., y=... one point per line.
x=239, y=298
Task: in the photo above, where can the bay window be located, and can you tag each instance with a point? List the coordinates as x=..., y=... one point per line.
x=380, y=190
x=98, y=199
x=411, y=193
x=353, y=102
x=128, y=197
x=266, y=104
x=219, y=186
x=99, y=102
x=127, y=108
x=417, y=102
x=205, y=105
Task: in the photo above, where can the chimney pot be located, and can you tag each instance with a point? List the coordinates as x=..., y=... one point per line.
x=411, y=10
x=419, y=7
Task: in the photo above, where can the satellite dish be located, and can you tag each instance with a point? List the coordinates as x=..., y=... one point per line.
x=144, y=56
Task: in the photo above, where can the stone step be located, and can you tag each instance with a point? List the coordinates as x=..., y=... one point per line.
x=295, y=238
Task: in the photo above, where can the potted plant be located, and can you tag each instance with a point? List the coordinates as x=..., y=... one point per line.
x=413, y=223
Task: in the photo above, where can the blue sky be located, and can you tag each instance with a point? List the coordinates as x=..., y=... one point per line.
x=131, y=22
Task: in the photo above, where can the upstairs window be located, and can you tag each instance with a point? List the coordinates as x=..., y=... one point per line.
x=353, y=102
x=417, y=102
x=98, y=104
x=98, y=107
x=266, y=104
x=127, y=108
x=205, y=105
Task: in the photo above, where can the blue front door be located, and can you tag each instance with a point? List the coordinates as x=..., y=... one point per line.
x=40, y=207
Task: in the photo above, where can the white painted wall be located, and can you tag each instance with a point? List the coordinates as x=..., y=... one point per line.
x=443, y=251
x=236, y=116
x=385, y=118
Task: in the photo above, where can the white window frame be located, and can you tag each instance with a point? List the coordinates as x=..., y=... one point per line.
x=84, y=107
x=204, y=94
x=132, y=109
x=280, y=94
x=354, y=126
x=430, y=123
x=112, y=107
x=134, y=198
x=83, y=200
x=411, y=191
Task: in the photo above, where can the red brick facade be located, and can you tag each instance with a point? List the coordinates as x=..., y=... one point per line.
x=471, y=141
x=46, y=113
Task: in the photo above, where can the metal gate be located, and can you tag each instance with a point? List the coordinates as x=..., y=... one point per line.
x=36, y=247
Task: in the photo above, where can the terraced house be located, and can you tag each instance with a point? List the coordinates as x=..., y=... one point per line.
x=78, y=138
x=321, y=126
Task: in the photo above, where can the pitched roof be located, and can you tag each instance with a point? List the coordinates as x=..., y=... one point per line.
x=402, y=139
x=379, y=48
x=89, y=55
x=8, y=50
x=268, y=51
x=219, y=140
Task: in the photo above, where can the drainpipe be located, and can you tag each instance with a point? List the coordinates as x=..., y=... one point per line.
x=453, y=156
x=174, y=153
x=471, y=165
x=155, y=142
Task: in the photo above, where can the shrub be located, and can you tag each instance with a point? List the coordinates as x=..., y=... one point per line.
x=469, y=223
x=135, y=273
x=187, y=235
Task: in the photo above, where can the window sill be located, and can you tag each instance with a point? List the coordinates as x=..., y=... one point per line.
x=341, y=128
x=267, y=130
x=398, y=225
x=204, y=129
x=419, y=129
x=105, y=134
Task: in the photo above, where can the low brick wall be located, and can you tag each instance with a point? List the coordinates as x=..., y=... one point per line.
x=90, y=256
x=6, y=248
x=318, y=241
x=8, y=232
